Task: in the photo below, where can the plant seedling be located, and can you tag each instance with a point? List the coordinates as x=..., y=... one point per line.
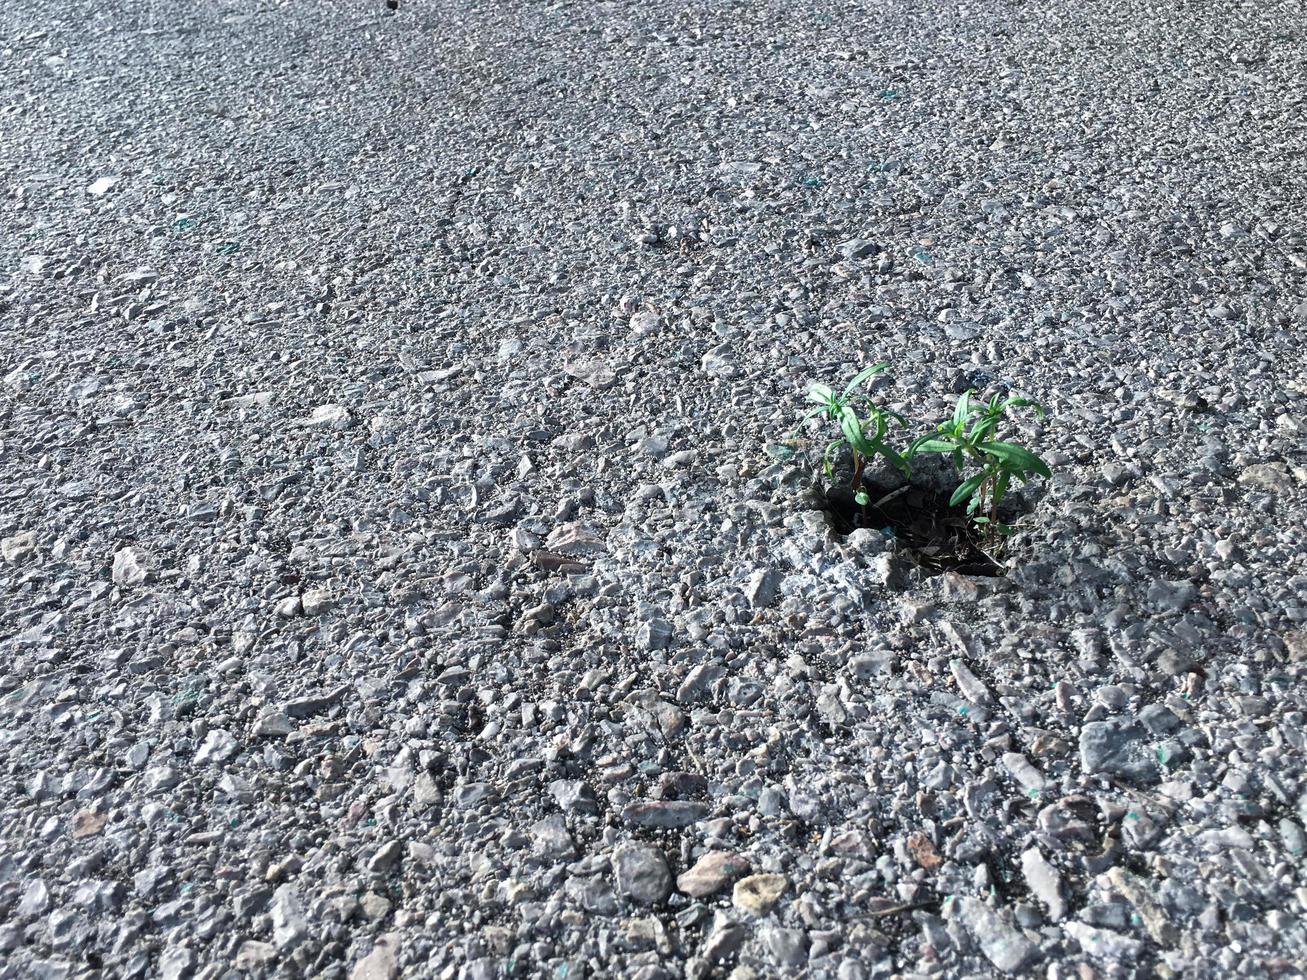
x=865, y=435
x=967, y=438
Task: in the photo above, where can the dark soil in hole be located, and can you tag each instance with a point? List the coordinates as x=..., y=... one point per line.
x=917, y=516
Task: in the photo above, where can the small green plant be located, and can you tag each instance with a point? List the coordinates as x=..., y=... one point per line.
x=985, y=464
x=864, y=434
x=968, y=439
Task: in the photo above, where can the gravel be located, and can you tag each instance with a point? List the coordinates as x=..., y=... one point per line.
x=399, y=572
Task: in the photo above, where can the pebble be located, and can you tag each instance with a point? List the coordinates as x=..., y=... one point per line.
x=664, y=814
x=712, y=872
x=218, y=746
x=758, y=893
x=289, y=926
x=335, y=417
x=1044, y=882
x=641, y=873
x=130, y=567
x=1104, y=943
x=1003, y=944
x=18, y=548
x=382, y=963
x=275, y=724
x=1119, y=747
x=762, y=587
x=101, y=186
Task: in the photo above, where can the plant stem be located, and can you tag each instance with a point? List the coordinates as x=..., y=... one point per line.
x=859, y=463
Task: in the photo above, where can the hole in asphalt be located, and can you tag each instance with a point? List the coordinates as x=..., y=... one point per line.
x=918, y=519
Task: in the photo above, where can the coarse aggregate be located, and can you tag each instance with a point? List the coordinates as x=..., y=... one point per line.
x=402, y=573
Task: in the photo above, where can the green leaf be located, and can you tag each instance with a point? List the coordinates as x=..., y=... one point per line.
x=806, y=415
x=983, y=428
x=1019, y=402
x=967, y=489
x=1000, y=487
x=895, y=459
x=820, y=393
x=862, y=498
x=931, y=444
x=825, y=457
x=963, y=409
x=1023, y=460
x=862, y=376
x=848, y=420
x=881, y=427
x=853, y=435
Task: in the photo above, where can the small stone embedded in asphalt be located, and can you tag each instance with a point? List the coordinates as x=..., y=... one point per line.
x=552, y=838
x=289, y=925
x=1044, y=882
x=176, y=963
x=858, y=248
x=654, y=714
x=924, y=851
x=253, y=955
x=1104, y=943
x=1144, y=896
x=720, y=362
x=576, y=539
x=218, y=746
x=1024, y=772
x=999, y=938
x=328, y=417
x=645, y=323
x=1269, y=476
x=573, y=796
x=971, y=686
x=654, y=635
x=312, y=704
x=315, y=601
x=665, y=814
x=35, y=899
x=101, y=186
x=130, y=567
x=641, y=873
x=274, y=724
x=724, y=939
x=757, y=894
x=761, y=590
x=1119, y=747
x=788, y=947
x=712, y=872
x=382, y=963
x=386, y=857
x=1172, y=596
x=88, y=823
x=18, y=548
x=593, y=372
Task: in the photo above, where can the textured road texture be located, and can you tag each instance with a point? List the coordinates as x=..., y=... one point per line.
x=407, y=569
